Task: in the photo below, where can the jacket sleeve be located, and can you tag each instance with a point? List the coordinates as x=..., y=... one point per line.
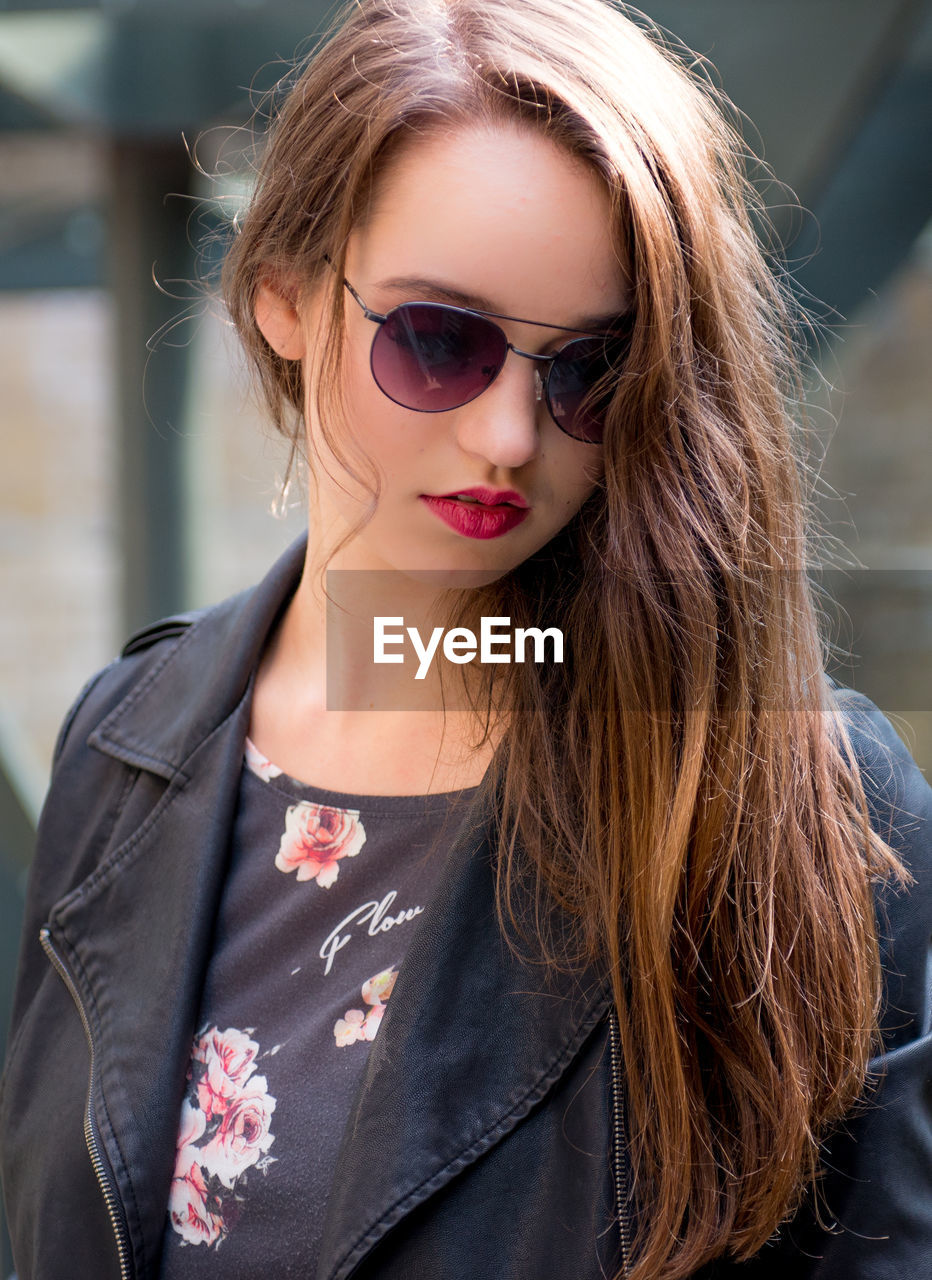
x=871, y=1217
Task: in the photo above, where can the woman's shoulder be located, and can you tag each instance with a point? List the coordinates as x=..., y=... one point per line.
x=181, y=664
x=107, y=687
x=88, y=784
x=127, y=737
x=899, y=801
x=898, y=796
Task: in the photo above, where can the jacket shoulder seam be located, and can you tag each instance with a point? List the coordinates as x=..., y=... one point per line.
x=163, y=629
x=102, y=733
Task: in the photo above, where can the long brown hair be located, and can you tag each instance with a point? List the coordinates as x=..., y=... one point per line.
x=681, y=788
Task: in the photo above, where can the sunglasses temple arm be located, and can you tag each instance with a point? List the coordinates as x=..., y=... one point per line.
x=370, y=315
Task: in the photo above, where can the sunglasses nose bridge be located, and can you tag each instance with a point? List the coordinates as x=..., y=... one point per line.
x=540, y=379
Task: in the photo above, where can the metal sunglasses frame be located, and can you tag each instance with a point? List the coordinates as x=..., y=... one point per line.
x=542, y=383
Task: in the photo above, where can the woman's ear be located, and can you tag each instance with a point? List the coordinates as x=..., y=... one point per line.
x=276, y=312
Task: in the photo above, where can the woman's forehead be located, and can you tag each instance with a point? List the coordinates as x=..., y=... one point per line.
x=499, y=216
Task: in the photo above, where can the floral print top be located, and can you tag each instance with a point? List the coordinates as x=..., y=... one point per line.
x=319, y=906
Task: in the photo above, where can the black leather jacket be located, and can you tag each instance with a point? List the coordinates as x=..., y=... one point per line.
x=488, y=1137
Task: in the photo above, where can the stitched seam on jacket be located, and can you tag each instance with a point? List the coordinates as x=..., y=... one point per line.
x=520, y=1108
x=128, y=785
x=164, y=629
x=138, y=692
x=130, y=755
x=98, y=879
x=76, y=706
x=102, y=876
x=17, y=1037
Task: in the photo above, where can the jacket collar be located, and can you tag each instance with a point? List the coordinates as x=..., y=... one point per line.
x=202, y=677
x=471, y=1040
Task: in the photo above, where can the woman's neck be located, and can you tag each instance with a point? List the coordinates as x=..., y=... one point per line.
x=327, y=713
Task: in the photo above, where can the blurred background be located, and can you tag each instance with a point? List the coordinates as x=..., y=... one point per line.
x=137, y=476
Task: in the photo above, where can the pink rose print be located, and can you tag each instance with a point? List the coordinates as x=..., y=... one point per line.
x=191, y=1130
x=349, y=1029
x=377, y=990
x=315, y=838
x=229, y=1059
x=259, y=764
x=187, y=1207
x=223, y=1132
x=243, y=1135
x=371, y=1024
x=356, y=1025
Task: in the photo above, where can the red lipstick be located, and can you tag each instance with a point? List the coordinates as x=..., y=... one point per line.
x=489, y=497
x=479, y=512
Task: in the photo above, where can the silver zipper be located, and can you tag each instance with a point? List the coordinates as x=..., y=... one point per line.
x=91, y=1136
x=622, y=1189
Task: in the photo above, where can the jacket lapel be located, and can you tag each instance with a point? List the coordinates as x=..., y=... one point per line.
x=136, y=934
x=201, y=680
x=471, y=1040
x=136, y=938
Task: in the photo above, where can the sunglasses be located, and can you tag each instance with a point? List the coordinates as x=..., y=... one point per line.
x=431, y=357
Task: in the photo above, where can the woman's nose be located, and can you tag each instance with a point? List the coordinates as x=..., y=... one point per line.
x=502, y=425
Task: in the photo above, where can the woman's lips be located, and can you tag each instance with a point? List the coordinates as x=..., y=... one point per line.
x=474, y=519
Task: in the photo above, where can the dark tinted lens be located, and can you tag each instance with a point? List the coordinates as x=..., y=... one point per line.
x=430, y=357
x=582, y=382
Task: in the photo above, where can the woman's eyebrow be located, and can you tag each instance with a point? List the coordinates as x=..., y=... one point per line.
x=436, y=291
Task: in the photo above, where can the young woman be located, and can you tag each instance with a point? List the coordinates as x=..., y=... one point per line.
x=614, y=966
